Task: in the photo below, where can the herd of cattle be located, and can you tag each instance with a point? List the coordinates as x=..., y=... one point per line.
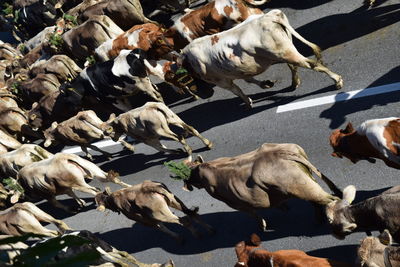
x=74, y=79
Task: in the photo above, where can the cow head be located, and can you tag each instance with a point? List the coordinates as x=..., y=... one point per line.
x=194, y=179
x=371, y=251
x=49, y=134
x=244, y=248
x=101, y=199
x=336, y=213
x=161, y=44
x=35, y=117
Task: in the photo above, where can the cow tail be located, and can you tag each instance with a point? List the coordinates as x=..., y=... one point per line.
x=284, y=22
x=256, y=2
x=311, y=168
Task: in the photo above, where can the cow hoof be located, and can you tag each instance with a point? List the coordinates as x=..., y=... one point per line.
x=267, y=84
x=339, y=83
x=210, y=145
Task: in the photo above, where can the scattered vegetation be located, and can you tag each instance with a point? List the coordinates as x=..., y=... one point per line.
x=56, y=41
x=7, y=9
x=91, y=60
x=12, y=184
x=14, y=88
x=71, y=19
x=180, y=169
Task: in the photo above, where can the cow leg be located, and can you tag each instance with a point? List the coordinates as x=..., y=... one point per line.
x=85, y=150
x=155, y=143
x=29, y=224
x=194, y=132
x=87, y=189
x=263, y=84
x=80, y=202
x=101, y=151
x=126, y=144
x=295, y=76
x=237, y=91
x=44, y=217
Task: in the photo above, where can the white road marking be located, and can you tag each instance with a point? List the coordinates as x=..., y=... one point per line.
x=100, y=144
x=339, y=97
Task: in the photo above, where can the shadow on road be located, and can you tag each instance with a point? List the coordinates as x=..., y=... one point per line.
x=345, y=253
x=61, y=214
x=305, y=4
x=340, y=28
x=338, y=112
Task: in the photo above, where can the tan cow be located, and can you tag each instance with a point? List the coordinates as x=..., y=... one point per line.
x=148, y=203
x=379, y=251
x=14, y=121
x=151, y=122
x=7, y=142
x=60, y=65
x=83, y=129
x=377, y=138
x=249, y=49
x=81, y=41
x=7, y=51
x=11, y=162
x=263, y=178
x=24, y=218
x=251, y=254
x=7, y=99
x=61, y=174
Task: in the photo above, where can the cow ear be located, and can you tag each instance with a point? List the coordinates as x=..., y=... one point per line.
x=107, y=191
x=34, y=105
x=255, y=240
x=54, y=125
x=349, y=129
x=385, y=238
x=349, y=193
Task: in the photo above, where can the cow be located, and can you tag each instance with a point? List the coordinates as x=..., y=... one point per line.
x=115, y=80
x=40, y=38
x=378, y=251
x=81, y=41
x=8, y=52
x=211, y=18
x=60, y=65
x=24, y=218
x=11, y=162
x=57, y=106
x=125, y=13
x=7, y=143
x=14, y=121
x=77, y=10
x=33, y=90
x=151, y=122
x=147, y=203
x=249, y=49
x=251, y=254
x=376, y=138
x=61, y=174
x=7, y=99
x=83, y=129
x=263, y=178
x=377, y=213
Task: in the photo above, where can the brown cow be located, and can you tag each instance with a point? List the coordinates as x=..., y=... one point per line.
x=81, y=41
x=24, y=218
x=263, y=178
x=377, y=138
x=11, y=162
x=61, y=174
x=251, y=254
x=378, y=251
x=151, y=122
x=147, y=203
x=125, y=13
x=7, y=143
x=83, y=129
x=375, y=213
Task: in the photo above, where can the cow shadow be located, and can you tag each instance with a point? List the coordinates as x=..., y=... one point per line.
x=338, y=112
x=344, y=253
x=229, y=110
x=61, y=214
x=341, y=28
x=362, y=195
x=305, y=4
x=231, y=228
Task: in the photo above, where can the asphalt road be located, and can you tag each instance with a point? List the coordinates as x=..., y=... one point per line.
x=360, y=44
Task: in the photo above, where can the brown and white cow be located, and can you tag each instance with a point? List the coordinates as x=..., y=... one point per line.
x=251, y=254
x=263, y=178
x=11, y=162
x=7, y=142
x=61, y=174
x=211, y=18
x=60, y=65
x=24, y=218
x=148, y=203
x=377, y=138
x=378, y=251
x=151, y=122
x=375, y=213
x=125, y=13
x=83, y=129
x=81, y=41
x=249, y=49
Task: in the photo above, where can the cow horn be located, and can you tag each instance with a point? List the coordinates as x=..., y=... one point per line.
x=385, y=238
x=200, y=159
x=107, y=191
x=349, y=193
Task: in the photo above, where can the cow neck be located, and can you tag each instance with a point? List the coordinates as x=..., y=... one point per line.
x=363, y=213
x=359, y=143
x=110, y=204
x=175, y=39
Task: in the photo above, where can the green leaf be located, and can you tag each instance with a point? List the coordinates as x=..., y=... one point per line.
x=180, y=169
x=12, y=184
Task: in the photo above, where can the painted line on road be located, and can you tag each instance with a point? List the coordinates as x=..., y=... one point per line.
x=339, y=97
x=100, y=144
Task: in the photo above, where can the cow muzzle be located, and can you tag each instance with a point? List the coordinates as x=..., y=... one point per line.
x=101, y=208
